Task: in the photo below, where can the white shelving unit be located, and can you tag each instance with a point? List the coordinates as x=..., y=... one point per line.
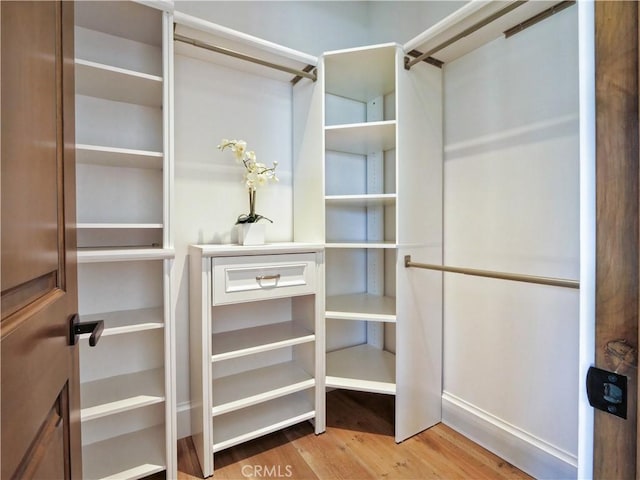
x=361, y=306
x=118, y=84
x=125, y=252
x=110, y=395
x=257, y=349
x=361, y=138
x=126, y=451
x=364, y=368
x=131, y=254
x=264, y=418
x=371, y=200
x=382, y=164
x=118, y=157
x=359, y=223
x=247, y=341
x=245, y=389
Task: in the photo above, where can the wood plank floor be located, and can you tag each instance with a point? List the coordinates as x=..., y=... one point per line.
x=358, y=444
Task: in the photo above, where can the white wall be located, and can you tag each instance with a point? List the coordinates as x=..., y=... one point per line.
x=398, y=21
x=511, y=201
x=308, y=26
x=315, y=27
x=211, y=103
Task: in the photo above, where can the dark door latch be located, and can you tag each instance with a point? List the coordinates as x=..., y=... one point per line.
x=607, y=391
x=77, y=328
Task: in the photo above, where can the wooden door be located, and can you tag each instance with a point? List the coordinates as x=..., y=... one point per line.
x=617, y=228
x=39, y=372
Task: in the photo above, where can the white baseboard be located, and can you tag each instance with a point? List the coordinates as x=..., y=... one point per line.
x=183, y=411
x=530, y=454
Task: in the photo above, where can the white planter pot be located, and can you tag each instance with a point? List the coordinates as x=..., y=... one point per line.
x=251, y=233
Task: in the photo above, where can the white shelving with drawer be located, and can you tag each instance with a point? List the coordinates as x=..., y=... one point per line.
x=257, y=342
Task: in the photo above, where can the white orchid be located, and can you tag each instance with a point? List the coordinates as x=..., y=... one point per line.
x=239, y=148
x=256, y=174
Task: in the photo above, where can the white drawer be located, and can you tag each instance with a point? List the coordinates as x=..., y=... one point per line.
x=261, y=277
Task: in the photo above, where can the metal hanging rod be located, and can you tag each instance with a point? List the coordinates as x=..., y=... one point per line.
x=516, y=277
x=408, y=62
x=538, y=18
x=232, y=53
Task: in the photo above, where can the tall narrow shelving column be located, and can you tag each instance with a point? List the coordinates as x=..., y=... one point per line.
x=360, y=199
x=379, y=338
x=125, y=255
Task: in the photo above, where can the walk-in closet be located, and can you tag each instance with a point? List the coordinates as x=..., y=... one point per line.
x=429, y=239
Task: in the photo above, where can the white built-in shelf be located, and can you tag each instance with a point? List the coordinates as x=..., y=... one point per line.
x=368, y=200
x=361, y=138
x=118, y=226
x=118, y=157
x=117, y=254
x=363, y=244
x=121, y=393
x=127, y=321
x=247, y=341
x=361, y=306
x=110, y=236
x=130, y=20
x=131, y=456
x=261, y=419
x=232, y=250
x=363, y=368
x=361, y=73
x=255, y=386
x=118, y=84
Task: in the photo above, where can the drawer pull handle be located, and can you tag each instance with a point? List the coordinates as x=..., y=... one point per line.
x=275, y=277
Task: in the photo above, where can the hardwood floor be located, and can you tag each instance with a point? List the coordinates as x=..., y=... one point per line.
x=358, y=444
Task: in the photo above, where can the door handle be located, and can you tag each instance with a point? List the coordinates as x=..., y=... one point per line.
x=77, y=328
